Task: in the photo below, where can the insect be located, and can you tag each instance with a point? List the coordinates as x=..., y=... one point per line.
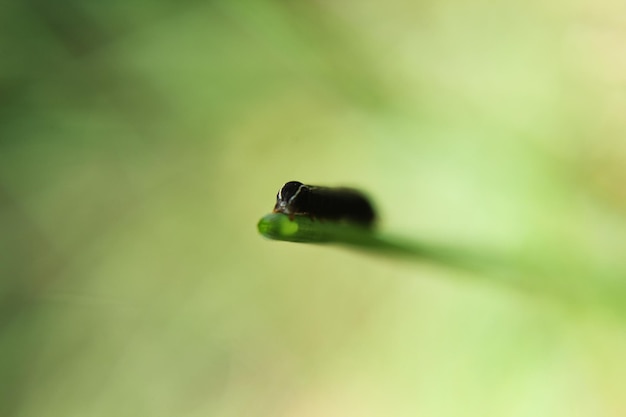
x=324, y=203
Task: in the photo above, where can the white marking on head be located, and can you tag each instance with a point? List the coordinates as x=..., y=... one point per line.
x=296, y=194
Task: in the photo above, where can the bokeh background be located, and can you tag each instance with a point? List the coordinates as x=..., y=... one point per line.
x=140, y=142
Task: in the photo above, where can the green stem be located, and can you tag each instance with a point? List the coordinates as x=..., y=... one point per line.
x=302, y=229
x=562, y=282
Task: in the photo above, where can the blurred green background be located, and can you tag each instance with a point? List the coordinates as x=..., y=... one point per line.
x=140, y=142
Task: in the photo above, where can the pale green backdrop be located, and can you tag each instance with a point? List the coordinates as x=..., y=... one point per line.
x=140, y=143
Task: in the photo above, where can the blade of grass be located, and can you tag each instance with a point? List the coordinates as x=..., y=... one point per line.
x=302, y=229
x=562, y=282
